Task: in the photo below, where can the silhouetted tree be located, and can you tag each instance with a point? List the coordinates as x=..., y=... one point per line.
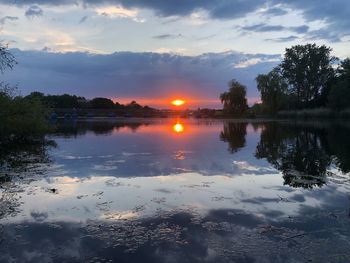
x=273, y=89
x=102, y=103
x=134, y=106
x=7, y=60
x=308, y=70
x=234, y=100
x=339, y=96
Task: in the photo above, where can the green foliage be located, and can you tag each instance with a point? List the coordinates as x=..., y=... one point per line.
x=339, y=96
x=20, y=118
x=234, y=100
x=305, y=83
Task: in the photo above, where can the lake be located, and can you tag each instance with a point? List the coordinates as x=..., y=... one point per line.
x=168, y=190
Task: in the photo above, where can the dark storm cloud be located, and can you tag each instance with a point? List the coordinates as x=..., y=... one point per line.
x=269, y=28
x=127, y=74
x=283, y=39
x=4, y=19
x=34, y=11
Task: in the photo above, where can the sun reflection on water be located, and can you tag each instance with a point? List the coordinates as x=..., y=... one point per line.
x=178, y=127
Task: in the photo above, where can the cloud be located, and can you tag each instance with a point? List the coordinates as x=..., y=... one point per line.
x=119, y=12
x=299, y=29
x=254, y=61
x=334, y=14
x=283, y=39
x=83, y=19
x=4, y=19
x=275, y=11
x=324, y=34
x=220, y=9
x=137, y=75
x=34, y=11
x=262, y=27
x=116, y=11
x=167, y=36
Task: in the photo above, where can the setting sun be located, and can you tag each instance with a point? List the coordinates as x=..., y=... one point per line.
x=178, y=102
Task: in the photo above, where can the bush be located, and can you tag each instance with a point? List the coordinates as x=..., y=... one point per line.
x=21, y=118
x=339, y=96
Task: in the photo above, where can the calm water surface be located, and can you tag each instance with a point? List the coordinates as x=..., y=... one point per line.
x=179, y=191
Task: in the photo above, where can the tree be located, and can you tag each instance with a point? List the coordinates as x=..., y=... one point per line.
x=134, y=106
x=339, y=96
x=234, y=100
x=20, y=118
x=7, y=60
x=344, y=70
x=62, y=101
x=273, y=89
x=102, y=103
x=308, y=70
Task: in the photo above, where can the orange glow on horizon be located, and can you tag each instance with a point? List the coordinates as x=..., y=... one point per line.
x=178, y=128
x=178, y=102
x=167, y=102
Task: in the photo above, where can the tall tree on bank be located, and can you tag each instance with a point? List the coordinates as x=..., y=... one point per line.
x=308, y=71
x=339, y=96
x=234, y=100
x=273, y=89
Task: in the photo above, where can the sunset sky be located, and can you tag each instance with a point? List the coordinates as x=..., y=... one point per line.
x=154, y=51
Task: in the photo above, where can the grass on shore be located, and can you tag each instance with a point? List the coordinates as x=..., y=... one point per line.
x=314, y=113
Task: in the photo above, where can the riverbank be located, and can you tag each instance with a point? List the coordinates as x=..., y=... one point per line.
x=322, y=113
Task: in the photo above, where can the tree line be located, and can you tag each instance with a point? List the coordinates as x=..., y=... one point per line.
x=67, y=101
x=308, y=77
